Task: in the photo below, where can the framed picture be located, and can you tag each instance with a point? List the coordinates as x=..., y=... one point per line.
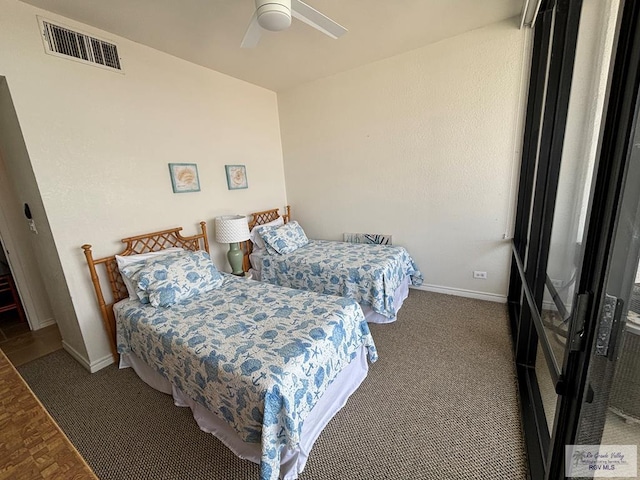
x=236, y=177
x=184, y=177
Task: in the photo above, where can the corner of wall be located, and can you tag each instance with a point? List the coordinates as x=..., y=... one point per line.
x=91, y=367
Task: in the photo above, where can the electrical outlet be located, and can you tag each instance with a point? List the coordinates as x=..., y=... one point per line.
x=556, y=283
x=481, y=275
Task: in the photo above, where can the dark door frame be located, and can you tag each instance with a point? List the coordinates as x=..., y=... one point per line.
x=554, y=46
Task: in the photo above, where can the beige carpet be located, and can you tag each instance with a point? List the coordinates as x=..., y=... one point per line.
x=440, y=403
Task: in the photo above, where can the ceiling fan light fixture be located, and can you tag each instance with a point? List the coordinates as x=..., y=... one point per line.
x=274, y=16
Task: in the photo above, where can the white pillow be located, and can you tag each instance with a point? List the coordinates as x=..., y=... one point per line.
x=254, y=236
x=125, y=260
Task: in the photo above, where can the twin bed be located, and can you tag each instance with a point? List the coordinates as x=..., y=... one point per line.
x=263, y=368
x=376, y=276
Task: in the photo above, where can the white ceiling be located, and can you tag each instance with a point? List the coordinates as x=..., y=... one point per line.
x=209, y=32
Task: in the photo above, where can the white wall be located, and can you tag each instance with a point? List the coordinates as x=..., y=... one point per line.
x=421, y=146
x=26, y=251
x=99, y=143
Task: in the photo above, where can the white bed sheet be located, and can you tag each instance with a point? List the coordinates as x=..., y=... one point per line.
x=292, y=461
x=399, y=296
x=255, y=257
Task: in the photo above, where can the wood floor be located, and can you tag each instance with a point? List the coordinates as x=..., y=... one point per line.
x=21, y=345
x=32, y=446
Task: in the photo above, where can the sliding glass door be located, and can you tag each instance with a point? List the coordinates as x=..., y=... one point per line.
x=609, y=409
x=600, y=413
x=546, y=256
x=557, y=251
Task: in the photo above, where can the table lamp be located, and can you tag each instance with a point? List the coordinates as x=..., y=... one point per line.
x=233, y=229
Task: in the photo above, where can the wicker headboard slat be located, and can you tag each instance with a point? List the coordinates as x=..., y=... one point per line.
x=118, y=289
x=149, y=242
x=260, y=218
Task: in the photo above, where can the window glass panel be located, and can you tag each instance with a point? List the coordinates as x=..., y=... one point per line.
x=547, y=388
x=584, y=119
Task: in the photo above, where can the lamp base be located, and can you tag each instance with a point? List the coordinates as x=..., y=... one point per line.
x=235, y=257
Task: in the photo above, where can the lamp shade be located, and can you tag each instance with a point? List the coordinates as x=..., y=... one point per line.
x=231, y=229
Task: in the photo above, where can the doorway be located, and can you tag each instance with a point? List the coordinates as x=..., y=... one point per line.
x=13, y=320
x=18, y=340
x=36, y=335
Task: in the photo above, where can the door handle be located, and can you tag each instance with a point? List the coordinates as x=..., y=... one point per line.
x=608, y=326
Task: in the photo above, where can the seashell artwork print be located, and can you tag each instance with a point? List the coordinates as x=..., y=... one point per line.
x=184, y=177
x=236, y=176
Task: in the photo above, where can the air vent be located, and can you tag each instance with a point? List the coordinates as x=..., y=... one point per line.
x=62, y=41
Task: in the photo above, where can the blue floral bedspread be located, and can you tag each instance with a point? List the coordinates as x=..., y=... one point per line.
x=370, y=274
x=256, y=355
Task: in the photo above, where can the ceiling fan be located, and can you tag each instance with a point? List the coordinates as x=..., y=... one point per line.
x=275, y=15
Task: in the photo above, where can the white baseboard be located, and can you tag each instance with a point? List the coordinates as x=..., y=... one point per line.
x=92, y=367
x=75, y=354
x=48, y=322
x=35, y=324
x=101, y=363
x=460, y=292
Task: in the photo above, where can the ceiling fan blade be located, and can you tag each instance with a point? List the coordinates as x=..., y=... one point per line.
x=317, y=20
x=254, y=32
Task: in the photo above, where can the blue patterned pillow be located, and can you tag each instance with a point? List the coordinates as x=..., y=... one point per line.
x=255, y=235
x=175, y=277
x=269, y=248
x=259, y=243
x=284, y=239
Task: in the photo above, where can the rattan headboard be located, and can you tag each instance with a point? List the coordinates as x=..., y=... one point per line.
x=149, y=242
x=260, y=218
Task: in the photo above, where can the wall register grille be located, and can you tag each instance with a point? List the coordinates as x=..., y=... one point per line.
x=62, y=41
